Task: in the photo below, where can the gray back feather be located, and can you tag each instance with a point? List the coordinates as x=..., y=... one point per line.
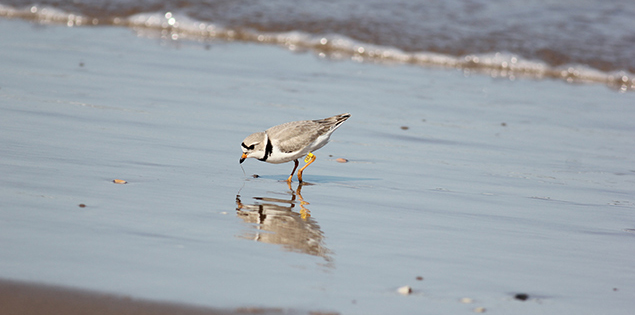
x=295, y=135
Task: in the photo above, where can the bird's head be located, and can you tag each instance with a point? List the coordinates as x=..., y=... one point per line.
x=253, y=146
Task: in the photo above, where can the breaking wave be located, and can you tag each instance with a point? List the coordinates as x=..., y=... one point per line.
x=175, y=27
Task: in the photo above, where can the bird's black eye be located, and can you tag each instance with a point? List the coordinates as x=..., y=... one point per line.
x=251, y=147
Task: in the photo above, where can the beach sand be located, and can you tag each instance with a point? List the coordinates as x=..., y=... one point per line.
x=459, y=185
x=25, y=299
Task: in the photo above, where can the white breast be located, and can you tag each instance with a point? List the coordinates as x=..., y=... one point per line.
x=277, y=156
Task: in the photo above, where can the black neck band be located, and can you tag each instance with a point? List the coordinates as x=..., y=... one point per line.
x=268, y=149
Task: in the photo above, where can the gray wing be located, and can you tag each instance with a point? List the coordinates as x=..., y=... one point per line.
x=295, y=135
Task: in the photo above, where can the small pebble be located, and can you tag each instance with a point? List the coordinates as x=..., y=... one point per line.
x=341, y=160
x=405, y=127
x=479, y=310
x=119, y=181
x=521, y=296
x=405, y=290
x=466, y=300
x=504, y=124
x=81, y=205
x=419, y=278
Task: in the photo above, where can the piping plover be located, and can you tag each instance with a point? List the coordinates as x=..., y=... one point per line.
x=291, y=141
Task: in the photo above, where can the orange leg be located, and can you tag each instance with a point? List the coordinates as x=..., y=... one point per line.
x=296, y=166
x=310, y=159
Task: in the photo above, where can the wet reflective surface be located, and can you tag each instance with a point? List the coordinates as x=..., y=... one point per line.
x=495, y=188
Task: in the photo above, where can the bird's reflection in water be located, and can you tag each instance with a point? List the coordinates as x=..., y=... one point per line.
x=276, y=221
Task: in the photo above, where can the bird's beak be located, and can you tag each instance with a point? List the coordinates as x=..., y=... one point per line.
x=242, y=158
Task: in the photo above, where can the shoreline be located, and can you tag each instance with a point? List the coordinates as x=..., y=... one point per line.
x=496, y=64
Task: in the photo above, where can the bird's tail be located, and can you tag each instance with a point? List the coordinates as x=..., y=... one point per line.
x=336, y=120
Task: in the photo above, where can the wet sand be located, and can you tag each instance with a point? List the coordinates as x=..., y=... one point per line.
x=464, y=187
x=20, y=298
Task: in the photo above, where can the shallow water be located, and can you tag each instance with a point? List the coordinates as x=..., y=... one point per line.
x=575, y=41
x=496, y=187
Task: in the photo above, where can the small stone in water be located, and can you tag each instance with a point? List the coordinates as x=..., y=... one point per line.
x=405, y=290
x=521, y=296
